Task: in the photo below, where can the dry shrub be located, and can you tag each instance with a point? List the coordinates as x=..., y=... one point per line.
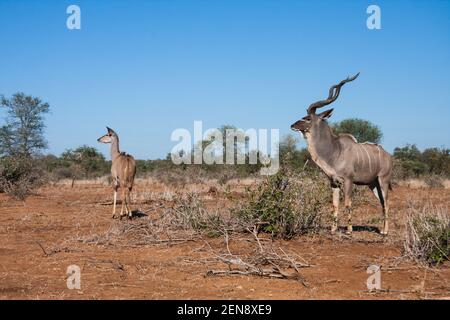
x=178, y=176
x=19, y=176
x=287, y=204
x=140, y=232
x=434, y=181
x=186, y=220
x=361, y=195
x=62, y=173
x=195, y=174
x=413, y=183
x=189, y=212
x=427, y=238
x=144, y=196
x=399, y=173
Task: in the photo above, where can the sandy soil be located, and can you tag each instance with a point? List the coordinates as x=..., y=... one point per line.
x=41, y=237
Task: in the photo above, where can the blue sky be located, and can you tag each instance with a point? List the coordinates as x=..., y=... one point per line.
x=146, y=68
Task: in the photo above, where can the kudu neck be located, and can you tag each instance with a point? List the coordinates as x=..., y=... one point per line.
x=323, y=141
x=115, y=152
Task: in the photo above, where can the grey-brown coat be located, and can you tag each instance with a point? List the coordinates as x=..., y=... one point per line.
x=123, y=171
x=344, y=160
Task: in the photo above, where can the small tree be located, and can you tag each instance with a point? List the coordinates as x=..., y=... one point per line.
x=408, y=152
x=362, y=130
x=229, y=133
x=290, y=155
x=408, y=162
x=21, y=138
x=85, y=162
x=23, y=132
x=437, y=160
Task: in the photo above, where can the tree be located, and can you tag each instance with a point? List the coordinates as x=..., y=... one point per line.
x=409, y=161
x=290, y=155
x=85, y=161
x=23, y=132
x=362, y=130
x=437, y=160
x=21, y=138
x=408, y=152
x=228, y=133
x=288, y=145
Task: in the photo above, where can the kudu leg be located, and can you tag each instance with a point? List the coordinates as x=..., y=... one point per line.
x=336, y=195
x=385, y=229
x=381, y=194
x=115, y=202
x=123, y=194
x=385, y=205
x=130, y=213
x=348, y=185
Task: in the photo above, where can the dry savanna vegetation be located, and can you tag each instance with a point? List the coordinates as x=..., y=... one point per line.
x=251, y=238
x=213, y=231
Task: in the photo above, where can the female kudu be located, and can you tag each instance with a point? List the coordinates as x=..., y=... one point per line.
x=123, y=170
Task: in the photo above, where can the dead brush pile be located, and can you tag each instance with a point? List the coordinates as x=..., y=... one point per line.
x=427, y=235
x=265, y=260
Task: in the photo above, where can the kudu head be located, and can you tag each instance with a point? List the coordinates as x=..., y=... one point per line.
x=312, y=120
x=107, y=138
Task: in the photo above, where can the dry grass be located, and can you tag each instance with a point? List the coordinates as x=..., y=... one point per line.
x=103, y=181
x=427, y=235
x=446, y=183
x=425, y=183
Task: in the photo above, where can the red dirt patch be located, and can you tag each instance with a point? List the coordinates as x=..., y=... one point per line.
x=39, y=241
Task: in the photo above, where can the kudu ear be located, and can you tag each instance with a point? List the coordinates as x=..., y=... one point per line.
x=109, y=130
x=326, y=114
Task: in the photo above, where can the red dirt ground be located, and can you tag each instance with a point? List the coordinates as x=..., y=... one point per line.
x=58, y=215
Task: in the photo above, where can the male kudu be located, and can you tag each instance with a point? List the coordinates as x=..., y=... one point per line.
x=344, y=160
x=123, y=170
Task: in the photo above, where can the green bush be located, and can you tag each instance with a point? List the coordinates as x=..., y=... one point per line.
x=85, y=162
x=410, y=168
x=287, y=204
x=20, y=176
x=410, y=162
